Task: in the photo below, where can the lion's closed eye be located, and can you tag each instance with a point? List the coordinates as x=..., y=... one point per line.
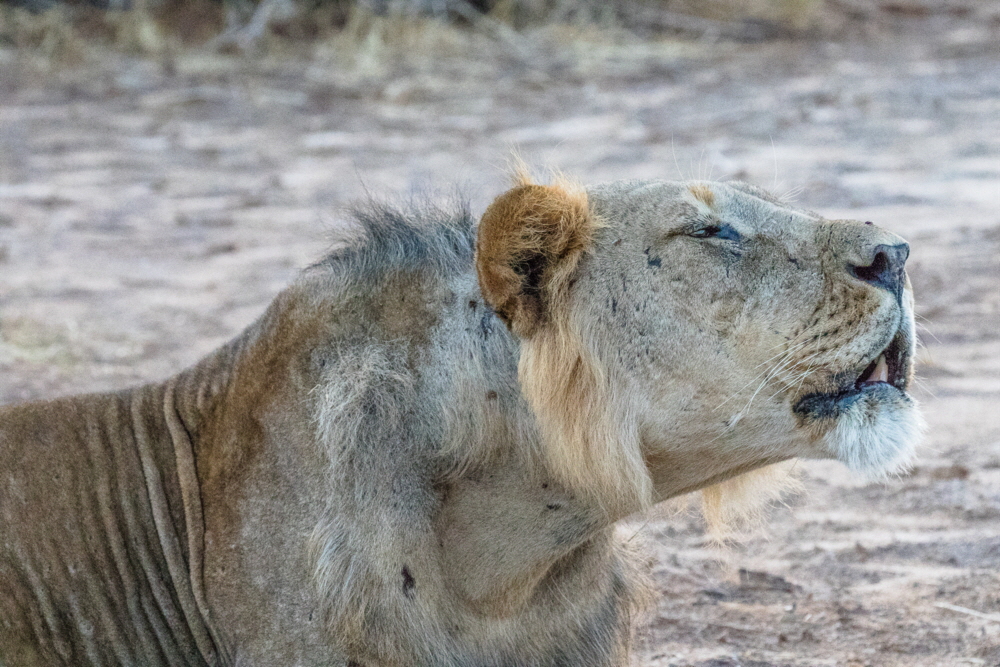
x=718, y=231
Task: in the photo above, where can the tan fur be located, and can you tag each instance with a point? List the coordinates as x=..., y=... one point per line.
x=531, y=229
x=589, y=440
x=585, y=445
x=739, y=503
x=418, y=454
x=703, y=194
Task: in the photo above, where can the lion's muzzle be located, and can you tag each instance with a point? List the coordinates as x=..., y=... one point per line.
x=863, y=412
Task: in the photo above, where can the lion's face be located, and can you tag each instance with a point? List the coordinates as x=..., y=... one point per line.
x=721, y=331
x=762, y=329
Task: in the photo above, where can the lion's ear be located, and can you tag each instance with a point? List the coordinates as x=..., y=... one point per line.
x=530, y=241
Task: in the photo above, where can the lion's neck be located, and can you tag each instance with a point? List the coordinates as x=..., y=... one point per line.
x=504, y=522
x=502, y=531
x=676, y=473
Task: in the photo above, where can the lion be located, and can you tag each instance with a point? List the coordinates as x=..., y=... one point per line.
x=418, y=454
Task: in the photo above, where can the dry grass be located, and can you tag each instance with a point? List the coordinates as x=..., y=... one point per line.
x=64, y=34
x=356, y=46
x=792, y=14
x=369, y=44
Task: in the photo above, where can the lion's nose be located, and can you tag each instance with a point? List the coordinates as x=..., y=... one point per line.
x=885, y=267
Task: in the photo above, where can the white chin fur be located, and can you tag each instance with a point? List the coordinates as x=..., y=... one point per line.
x=877, y=439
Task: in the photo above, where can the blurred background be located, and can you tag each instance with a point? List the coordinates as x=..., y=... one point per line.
x=167, y=166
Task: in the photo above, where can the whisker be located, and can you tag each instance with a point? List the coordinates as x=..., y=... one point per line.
x=924, y=329
x=783, y=358
x=680, y=174
x=925, y=386
x=763, y=383
x=774, y=152
x=792, y=194
x=774, y=373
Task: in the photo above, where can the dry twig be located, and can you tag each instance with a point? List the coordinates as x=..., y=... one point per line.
x=995, y=618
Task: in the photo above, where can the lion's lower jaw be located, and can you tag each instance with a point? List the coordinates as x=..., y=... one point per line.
x=876, y=438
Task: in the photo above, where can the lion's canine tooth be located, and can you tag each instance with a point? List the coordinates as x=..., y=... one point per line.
x=881, y=372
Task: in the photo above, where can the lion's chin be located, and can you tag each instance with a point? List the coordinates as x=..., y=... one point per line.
x=875, y=430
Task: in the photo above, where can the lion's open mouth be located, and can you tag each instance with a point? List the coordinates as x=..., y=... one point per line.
x=888, y=367
x=886, y=372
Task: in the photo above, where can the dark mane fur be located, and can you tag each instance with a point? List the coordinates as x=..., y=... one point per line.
x=417, y=235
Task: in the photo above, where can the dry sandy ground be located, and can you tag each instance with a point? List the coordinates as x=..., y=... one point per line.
x=150, y=209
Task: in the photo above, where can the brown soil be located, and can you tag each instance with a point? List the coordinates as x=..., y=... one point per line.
x=151, y=208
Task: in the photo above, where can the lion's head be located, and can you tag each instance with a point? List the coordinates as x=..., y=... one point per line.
x=675, y=335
